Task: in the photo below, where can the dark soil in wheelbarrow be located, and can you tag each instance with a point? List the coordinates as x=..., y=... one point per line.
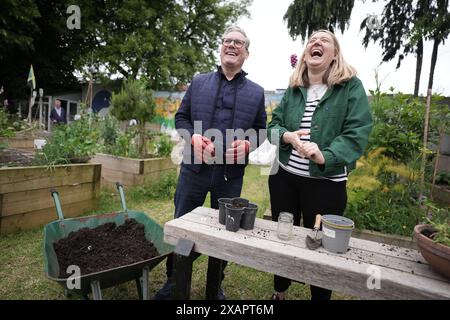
x=104, y=247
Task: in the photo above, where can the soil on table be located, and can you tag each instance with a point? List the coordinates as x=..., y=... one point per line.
x=104, y=247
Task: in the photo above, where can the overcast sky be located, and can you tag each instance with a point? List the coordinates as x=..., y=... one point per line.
x=271, y=47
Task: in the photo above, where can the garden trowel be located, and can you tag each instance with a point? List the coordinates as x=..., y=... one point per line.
x=312, y=242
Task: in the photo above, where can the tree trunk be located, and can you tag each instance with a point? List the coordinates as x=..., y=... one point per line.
x=433, y=62
x=419, y=54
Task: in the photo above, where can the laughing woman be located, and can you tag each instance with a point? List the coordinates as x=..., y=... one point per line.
x=323, y=123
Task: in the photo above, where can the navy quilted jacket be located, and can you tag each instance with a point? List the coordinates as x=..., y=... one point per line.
x=199, y=105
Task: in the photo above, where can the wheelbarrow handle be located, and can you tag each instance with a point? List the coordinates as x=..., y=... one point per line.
x=55, y=196
x=122, y=196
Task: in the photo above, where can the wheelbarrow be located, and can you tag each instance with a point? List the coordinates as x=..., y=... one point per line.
x=94, y=282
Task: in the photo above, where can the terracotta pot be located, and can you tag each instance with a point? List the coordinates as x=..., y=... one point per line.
x=437, y=255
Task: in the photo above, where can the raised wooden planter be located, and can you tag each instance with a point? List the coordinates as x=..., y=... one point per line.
x=25, y=143
x=25, y=199
x=129, y=171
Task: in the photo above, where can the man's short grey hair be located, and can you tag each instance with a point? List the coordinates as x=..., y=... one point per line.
x=241, y=31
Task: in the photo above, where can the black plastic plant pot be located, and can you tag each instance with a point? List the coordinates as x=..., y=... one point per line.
x=249, y=216
x=222, y=213
x=233, y=219
x=240, y=202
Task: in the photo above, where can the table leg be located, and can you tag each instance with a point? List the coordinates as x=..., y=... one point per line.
x=213, y=278
x=183, y=275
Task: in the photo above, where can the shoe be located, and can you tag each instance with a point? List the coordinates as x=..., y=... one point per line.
x=165, y=293
x=221, y=295
x=275, y=296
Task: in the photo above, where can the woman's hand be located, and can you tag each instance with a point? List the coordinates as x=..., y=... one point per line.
x=293, y=138
x=311, y=151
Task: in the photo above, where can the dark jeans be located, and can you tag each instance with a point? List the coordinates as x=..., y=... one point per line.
x=192, y=189
x=304, y=198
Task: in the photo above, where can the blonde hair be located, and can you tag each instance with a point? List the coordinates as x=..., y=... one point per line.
x=338, y=72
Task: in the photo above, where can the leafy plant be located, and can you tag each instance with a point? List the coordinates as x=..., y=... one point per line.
x=74, y=142
x=441, y=222
x=134, y=101
x=6, y=129
x=382, y=194
x=399, y=122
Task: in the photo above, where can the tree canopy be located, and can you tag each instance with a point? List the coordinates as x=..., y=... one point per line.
x=305, y=16
x=166, y=41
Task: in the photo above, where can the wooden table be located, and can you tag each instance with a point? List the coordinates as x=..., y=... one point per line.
x=369, y=270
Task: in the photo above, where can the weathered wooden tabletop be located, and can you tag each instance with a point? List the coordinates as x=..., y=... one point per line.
x=369, y=270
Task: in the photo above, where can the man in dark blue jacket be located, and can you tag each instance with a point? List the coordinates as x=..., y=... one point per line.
x=222, y=118
x=58, y=114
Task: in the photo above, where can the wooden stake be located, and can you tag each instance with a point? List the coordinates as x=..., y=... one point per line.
x=424, y=153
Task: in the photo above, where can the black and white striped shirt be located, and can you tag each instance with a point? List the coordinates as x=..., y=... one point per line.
x=300, y=166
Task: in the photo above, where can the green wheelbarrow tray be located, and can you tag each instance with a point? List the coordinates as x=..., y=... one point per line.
x=61, y=228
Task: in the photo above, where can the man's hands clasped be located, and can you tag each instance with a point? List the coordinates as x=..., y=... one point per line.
x=204, y=150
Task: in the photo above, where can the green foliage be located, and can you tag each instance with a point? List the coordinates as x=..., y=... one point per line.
x=168, y=41
x=305, y=16
x=161, y=144
x=382, y=193
x=164, y=188
x=74, y=142
x=441, y=221
x=443, y=177
x=399, y=122
x=134, y=101
x=6, y=130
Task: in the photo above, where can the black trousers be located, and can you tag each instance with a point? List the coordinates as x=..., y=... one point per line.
x=304, y=198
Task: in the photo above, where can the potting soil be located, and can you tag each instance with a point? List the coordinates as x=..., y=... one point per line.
x=104, y=247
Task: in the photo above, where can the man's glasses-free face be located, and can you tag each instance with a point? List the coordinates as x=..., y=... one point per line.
x=237, y=43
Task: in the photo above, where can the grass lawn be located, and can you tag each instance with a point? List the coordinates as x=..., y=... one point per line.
x=22, y=263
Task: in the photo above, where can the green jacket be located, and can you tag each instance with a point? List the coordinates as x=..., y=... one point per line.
x=340, y=125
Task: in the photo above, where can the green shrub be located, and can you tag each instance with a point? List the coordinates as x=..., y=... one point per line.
x=399, y=124
x=164, y=188
x=382, y=195
x=134, y=101
x=73, y=142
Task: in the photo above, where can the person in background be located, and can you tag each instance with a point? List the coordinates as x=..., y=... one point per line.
x=323, y=124
x=221, y=100
x=58, y=114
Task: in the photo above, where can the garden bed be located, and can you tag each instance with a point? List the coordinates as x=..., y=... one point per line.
x=129, y=171
x=25, y=200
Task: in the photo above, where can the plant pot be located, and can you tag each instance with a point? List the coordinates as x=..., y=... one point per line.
x=249, y=216
x=222, y=211
x=233, y=219
x=436, y=254
x=240, y=202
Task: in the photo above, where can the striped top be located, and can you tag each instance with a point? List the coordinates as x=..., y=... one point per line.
x=296, y=164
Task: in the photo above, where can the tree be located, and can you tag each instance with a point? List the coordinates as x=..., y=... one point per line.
x=436, y=27
x=305, y=16
x=394, y=33
x=134, y=101
x=405, y=25
x=168, y=41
